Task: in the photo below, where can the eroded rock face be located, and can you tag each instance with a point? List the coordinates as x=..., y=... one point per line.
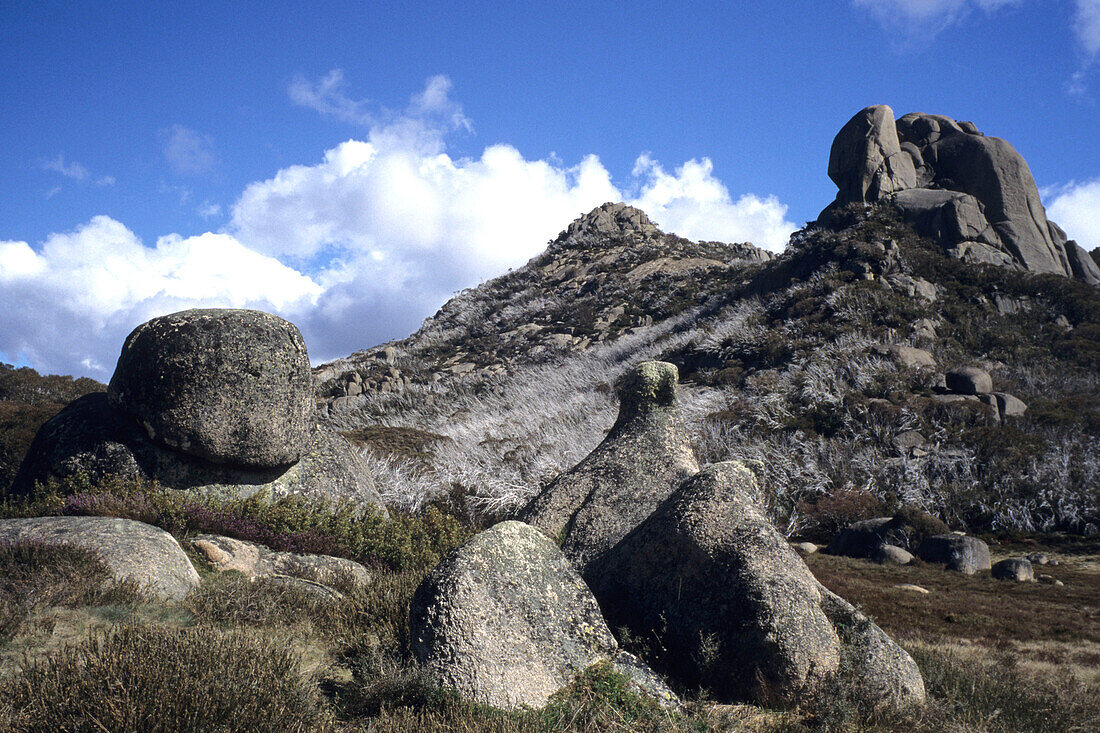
x=506, y=620
x=731, y=603
x=135, y=551
x=973, y=194
x=228, y=386
x=866, y=161
x=637, y=466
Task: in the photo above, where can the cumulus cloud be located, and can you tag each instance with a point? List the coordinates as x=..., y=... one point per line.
x=70, y=303
x=1076, y=208
x=189, y=153
x=916, y=18
x=357, y=248
x=327, y=96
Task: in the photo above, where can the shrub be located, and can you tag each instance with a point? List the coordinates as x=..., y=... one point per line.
x=153, y=678
x=34, y=575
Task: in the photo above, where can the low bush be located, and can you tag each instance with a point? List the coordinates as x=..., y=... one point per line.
x=35, y=576
x=154, y=678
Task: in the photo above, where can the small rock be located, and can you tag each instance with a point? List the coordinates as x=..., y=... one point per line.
x=1050, y=580
x=969, y=381
x=892, y=555
x=1009, y=406
x=1038, y=558
x=913, y=588
x=806, y=548
x=1014, y=568
x=908, y=440
x=257, y=561
x=907, y=356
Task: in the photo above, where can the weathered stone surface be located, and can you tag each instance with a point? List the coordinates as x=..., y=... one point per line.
x=91, y=437
x=1082, y=265
x=135, y=551
x=959, y=552
x=969, y=380
x=1038, y=558
x=866, y=160
x=640, y=463
x=1017, y=569
x=924, y=129
x=709, y=578
x=229, y=386
x=506, y=620
x=990, y=170
x=878, y=664
x=258, y=561
x=980, y=253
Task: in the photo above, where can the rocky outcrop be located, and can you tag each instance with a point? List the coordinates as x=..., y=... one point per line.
x=506, y=620
x=866, y=161
x=967, y=555
x=93, y=436
x=229, y=386
x=638, y=465
x=133, y=551
x=729, y=603
x=973, y=194
x=256, y=561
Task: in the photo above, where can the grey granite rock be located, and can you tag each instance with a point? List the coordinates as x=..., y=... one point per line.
x=134, y=551
x=228, y=386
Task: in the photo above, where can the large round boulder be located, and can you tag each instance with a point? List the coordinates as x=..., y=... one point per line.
x=729, y=603
x=133, y=551
x=638, y=465
x=228, y=386
x=959, y=552
x=506, y=620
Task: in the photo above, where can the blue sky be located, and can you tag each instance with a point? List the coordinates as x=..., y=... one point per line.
x=351, y=165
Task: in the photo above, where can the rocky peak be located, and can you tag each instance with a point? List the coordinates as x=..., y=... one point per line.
x=612, y=220
x=972, y=193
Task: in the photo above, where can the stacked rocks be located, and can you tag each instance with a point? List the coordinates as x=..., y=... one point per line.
x=210, y=398
x=970, y=383
x=973, y=194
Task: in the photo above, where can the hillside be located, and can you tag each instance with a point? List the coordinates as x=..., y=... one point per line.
x=789, y=360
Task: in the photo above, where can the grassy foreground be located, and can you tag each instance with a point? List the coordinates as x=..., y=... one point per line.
x=81, y=655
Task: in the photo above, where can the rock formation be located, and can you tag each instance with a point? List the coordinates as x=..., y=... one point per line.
x=637, y=466
x=133, y=551
x=95, y=437
x=259, y=562
x=506, y=620
x=959, y=552
x=973, y=194
x=229, y=386
x=731, y=605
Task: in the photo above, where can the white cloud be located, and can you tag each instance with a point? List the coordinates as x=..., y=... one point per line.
x=327, y=96
x=208, y=210
x=1076, y=208
x=1086, y=26
x=188, y=152
x=915, y=19
x=356, y=249
x=71, y=302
